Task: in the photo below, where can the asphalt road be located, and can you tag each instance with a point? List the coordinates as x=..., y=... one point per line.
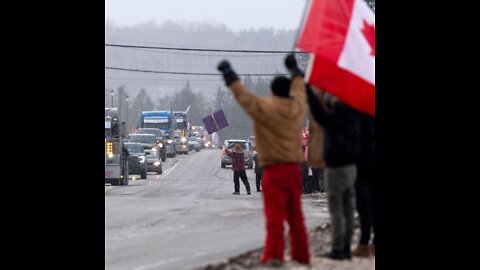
x=186, y=217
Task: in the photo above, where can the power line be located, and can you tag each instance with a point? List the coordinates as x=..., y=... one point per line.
x=191, y=73
x=196, y=49
x=160, y=80
x=190, y=53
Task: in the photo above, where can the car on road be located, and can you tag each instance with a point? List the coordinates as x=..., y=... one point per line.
x=229, y=144
x=193, y=142
x=154, y=162
x=137, y=163
x=160, y=135
x=182, y=145
x=148, y=141
x=199, y=140
x=171, y=148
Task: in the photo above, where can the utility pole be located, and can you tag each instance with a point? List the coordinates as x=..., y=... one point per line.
x=126, y=111
x=111, y=94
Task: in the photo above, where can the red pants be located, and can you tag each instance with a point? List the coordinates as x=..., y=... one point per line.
x=282, y=191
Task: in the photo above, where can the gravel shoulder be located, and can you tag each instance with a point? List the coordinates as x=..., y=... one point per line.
x=319, y=241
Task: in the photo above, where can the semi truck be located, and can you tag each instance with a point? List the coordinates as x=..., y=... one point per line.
x=116, y=162
x=163, y=120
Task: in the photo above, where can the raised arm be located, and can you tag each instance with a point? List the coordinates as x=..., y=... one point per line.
x=252, y=104
x=316, y=108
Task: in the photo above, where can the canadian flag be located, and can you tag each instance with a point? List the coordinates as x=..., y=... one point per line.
x=340, y=35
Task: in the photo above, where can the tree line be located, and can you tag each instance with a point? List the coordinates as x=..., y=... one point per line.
x=201, y=105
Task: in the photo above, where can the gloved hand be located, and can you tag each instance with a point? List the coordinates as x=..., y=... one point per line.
x=292, y=66
x=228, y=74
x=308, y=88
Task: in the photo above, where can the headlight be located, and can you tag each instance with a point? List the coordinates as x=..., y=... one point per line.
x=161, y=145
x=169, y=141
x=156, y=163
x=142, y=159
x=184, y=139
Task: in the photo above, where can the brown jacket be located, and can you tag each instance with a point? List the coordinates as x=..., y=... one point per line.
x=278, y=122
x=315, y=145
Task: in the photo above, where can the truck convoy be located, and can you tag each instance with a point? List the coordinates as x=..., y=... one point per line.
x=181, y=122
x=116, y=163
x=162, y=120
x=174, y=124
x=211, y=140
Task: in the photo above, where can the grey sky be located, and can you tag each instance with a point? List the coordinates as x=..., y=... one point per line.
x=236, y=14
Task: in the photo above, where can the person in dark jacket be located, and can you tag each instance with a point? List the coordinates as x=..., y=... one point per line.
x=364, y=187
x=238, y=167
x=258, y=173
x=341, y=148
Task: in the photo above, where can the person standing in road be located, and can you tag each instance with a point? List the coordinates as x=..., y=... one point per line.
x=278, y=122
x=258, y=172
x=238, y=167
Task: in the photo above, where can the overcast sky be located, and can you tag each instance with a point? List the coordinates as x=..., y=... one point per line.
x=236, y=14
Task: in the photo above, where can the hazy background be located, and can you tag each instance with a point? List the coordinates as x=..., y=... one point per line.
x=235, y=14
x=206, y=24
x=269, y=25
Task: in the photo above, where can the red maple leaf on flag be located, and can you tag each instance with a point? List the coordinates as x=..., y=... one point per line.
x=368, y=32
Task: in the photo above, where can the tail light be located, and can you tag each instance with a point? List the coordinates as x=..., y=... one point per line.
x=250, y=152
x=222, y=152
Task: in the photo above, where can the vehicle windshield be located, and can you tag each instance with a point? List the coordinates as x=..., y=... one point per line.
x=152, y=155
x=112, y=131
x=142, y=138
x=157, y=125
x=232, y=144
x=180, y=141
x=198, y=139
x=157, y=132
x=180, y=124
x=134, y=148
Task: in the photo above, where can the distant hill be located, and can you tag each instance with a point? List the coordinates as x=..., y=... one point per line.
x=188, y=35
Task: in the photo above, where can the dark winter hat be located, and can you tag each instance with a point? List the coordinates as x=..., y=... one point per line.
x=281, y=86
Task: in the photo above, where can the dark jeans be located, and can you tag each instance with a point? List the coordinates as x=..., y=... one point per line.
x=364, y=200
x=243, y=176
x=258, y=179
x=314, y=182
x=318, y=182
x=307, y=180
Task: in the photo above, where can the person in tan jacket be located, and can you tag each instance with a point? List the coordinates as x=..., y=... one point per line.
x=278, y=123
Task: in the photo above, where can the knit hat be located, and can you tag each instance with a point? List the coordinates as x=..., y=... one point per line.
x=281, y=86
